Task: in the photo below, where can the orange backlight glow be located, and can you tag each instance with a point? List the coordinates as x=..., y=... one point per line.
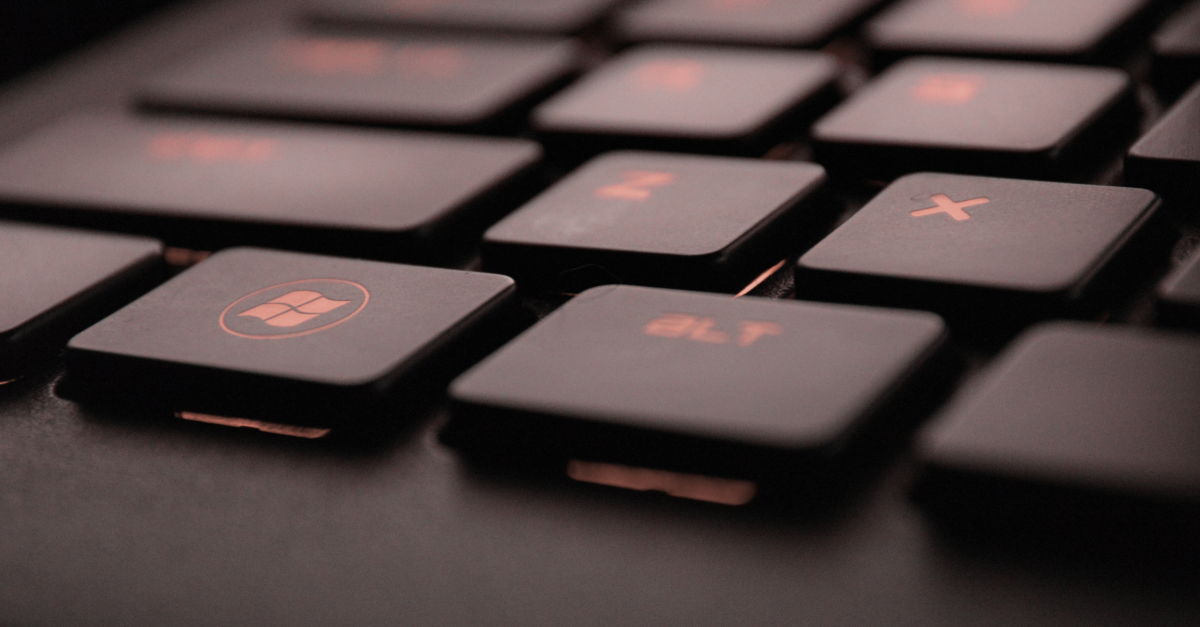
x=678, y=76
x=948, y=88
x=990, y=8
x=695, y=487
x=334, y=56
x=636, y=186
x=953, y=209
x=208, y=148
x=308, y=433
x=699, y=329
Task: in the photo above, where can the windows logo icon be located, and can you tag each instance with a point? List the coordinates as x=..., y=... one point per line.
x=294, y=309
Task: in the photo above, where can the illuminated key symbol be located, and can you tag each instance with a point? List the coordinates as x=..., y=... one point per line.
x=210, y=148
x=990, y=8
x=335, y=56
x=677, y=76
x=293, y=309
x=948, y=88
x=636, y=185
x=947, y=206
x=701, y=329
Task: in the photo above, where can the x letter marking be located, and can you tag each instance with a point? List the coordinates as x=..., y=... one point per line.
x=945, y=205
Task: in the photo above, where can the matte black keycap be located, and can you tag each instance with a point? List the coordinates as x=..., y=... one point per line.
x=1179, y=294
x=1176, y=48
x=1059, y=30
x=658, y=219
x=1167, y=158
x=742, y=388
x=792, y=23
x=1076, y=429
x=205, y=184
x=54, y=282
x=976, y=117
x=414, y=80
x=978, y=249
x=287, y=337
x=691, y=99
x=543, y=16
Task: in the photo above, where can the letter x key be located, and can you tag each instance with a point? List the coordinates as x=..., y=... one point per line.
x=945, y=205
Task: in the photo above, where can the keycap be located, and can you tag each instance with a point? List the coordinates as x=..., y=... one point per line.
x=287, y=338
x=1057, y=30
x=790, y=23
x=1179, y=294
x=975, y=117
x=659, y=219
x=1176, y=48
x=983, y=252
x=746, y=389
x=423, y=80
x=56, y=281
x=205, y=184
x=690, y=99
x=542, y=16
x=1167, y=158
x=1077, y=429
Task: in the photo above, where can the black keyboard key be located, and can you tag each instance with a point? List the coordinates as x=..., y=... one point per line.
x=412, y=80
x=56, y=281
x=1058, y=30
x=1176, y=48
x=1076, y=429
x=691, y=99
x=976, y=117
x=741, y=388
x=656, y=219
x=288, y=338
x=206, y=184
x=1167, y=158
x=1179, y=294
x=791, y=23
x=977, y=250
x=542, y=16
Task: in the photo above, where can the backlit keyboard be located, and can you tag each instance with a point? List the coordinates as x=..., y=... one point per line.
x=588, y=312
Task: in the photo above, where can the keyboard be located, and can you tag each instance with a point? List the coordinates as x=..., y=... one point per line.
x=532, y=312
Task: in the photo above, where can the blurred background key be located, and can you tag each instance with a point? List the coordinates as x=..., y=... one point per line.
x=1176, y=48
x=690, y=99
x=436, y=81
x=786, y=23
x=1058, y=30
x=207, y=184
x=541, y=16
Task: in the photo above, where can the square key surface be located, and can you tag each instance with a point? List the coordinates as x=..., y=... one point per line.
x=257, y=331
x=694, y=382
x=1047, y=29
x=203, y=184
x=975, y=117
x=1167, y=158
x=1072, y=420
x=544, y=16
x=658, y=219
x=54, y=281
x=1179, y=294
x=758, y=22
x=698, y=98
x=962, y=245
x=404, y=79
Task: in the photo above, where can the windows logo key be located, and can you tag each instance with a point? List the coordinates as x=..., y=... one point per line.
x=294, y=309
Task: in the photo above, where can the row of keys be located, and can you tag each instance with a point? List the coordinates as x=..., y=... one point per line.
x=979, y=117
x=753, y=391
x=1073, y=30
